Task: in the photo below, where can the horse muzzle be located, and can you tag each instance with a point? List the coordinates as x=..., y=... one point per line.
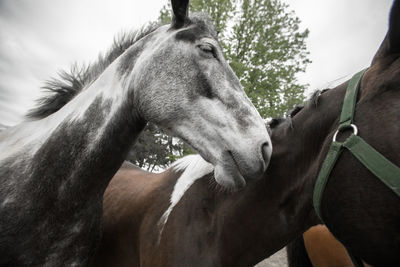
x=236, y=167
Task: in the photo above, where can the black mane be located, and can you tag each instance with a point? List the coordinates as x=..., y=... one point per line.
x=62, y=89
x=275, y=122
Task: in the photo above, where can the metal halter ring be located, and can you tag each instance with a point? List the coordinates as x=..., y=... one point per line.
x=355, y=131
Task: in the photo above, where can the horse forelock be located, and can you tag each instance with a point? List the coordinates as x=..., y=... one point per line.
x=59, y=91
x=192, y=167
x=204, y=22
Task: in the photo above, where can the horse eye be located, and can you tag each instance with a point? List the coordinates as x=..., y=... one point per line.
x=208, y=49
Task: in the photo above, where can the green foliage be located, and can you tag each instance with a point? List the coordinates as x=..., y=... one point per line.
x=266, y=50
x=155, y=150
x=165, y=14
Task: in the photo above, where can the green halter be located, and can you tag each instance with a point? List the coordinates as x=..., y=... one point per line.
x=381, y=167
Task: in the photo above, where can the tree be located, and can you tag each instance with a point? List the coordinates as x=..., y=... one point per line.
x=155, y=150
x=265, y=48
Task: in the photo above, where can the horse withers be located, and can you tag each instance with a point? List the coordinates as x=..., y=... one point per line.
x=55, y=166
x=182, y=218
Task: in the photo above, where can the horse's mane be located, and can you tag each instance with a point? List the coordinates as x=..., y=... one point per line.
x=313, y=100
x=62, y=89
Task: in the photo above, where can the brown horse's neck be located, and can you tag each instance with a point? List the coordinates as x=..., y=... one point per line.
x=282, y=201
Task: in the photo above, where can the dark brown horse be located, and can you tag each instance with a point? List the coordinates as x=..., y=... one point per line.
x=174, y=219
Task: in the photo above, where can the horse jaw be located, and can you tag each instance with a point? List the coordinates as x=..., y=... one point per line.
x=235, y=146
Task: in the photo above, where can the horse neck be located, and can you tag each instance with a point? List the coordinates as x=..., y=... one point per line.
x=86, y=141
x=277, y=209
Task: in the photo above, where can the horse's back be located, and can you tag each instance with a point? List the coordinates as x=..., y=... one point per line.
x=132, y=197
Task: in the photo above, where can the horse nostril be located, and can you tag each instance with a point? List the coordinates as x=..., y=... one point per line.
x=265, y=151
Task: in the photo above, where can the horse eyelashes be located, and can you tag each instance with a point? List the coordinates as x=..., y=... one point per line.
x=208, y=50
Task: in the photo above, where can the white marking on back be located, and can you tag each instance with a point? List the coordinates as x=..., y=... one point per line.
x=193, y=167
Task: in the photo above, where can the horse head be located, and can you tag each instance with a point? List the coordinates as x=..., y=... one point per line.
x=186, y=86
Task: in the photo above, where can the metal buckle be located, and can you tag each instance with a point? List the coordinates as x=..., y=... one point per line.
x=355, y=131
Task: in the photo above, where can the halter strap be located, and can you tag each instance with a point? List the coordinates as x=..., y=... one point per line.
x=374, y=161
x=346, y=120
x=350, y=99
x=381, y=167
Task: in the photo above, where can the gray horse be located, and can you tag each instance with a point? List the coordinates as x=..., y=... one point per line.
x=55, y=167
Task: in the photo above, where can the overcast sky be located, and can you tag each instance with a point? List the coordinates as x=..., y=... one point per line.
x=38, y=38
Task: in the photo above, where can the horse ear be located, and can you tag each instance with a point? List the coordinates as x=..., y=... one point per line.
x=180, y=13
x=391, y=43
